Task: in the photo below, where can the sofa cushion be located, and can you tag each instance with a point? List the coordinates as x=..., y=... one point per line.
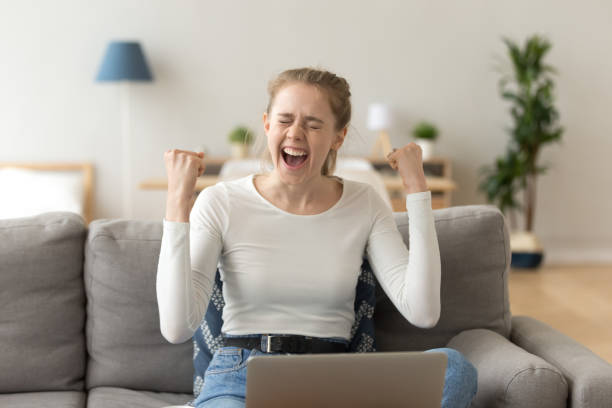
x=64, y=399
x=475, y=258
x=42, y=303
x=509, y=376
x=110, y=397
x=125, y=344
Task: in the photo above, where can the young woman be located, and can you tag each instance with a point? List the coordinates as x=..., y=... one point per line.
x=289, y=244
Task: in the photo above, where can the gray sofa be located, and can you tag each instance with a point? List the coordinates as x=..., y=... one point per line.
x=79, y=324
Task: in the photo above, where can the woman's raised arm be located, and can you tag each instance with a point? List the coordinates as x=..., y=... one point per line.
x=190, y=248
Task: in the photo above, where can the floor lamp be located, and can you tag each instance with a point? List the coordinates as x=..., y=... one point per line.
x=125, y=62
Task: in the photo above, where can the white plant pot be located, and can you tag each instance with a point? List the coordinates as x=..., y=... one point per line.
x=524, y=241
x=527, y=251
x=427, y=147
x=239, y=150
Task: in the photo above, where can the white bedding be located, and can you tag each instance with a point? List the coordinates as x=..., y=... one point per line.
x=27, y=192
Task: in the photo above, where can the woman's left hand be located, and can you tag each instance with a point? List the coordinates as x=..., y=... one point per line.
x=408, y=161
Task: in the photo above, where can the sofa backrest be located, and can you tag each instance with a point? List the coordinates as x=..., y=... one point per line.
x=127, y=349
x=475, y=258
x=42, y=303
x=124, y=341
x=47, y=260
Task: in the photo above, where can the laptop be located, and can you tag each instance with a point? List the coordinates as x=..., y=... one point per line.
x=346, y=380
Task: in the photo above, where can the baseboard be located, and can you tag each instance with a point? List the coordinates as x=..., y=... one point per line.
x=559, y=256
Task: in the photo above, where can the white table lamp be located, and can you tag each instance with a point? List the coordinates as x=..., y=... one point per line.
x=379, y=120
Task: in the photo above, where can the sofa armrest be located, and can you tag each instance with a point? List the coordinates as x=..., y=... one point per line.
x=509, y=376
x=589, y=376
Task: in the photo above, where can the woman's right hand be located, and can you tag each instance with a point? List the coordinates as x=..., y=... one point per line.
x=183, y=168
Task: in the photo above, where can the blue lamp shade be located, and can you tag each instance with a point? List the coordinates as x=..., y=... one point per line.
x=124, y=61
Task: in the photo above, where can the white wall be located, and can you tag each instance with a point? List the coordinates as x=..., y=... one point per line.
x=212, y=60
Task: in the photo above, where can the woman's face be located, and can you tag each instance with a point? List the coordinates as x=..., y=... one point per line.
x=301, y=118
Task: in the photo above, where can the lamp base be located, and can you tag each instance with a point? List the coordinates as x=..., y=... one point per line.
x=382, y=148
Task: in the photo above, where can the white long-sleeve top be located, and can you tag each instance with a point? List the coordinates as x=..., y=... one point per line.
x=289, y=273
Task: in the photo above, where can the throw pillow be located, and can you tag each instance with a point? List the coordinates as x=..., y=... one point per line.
x=208, y=337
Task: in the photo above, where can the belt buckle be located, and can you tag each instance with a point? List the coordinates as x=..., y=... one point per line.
x=268, y=347
x=270, y=340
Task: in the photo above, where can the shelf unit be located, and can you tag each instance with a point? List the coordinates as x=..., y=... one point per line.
x=437, y=172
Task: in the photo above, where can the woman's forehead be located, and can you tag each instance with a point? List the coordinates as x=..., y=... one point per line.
x=301, y=98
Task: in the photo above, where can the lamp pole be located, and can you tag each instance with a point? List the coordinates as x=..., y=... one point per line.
x=126, y=148
x=123, y=62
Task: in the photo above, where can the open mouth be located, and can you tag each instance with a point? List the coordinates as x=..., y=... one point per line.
x=293, y=162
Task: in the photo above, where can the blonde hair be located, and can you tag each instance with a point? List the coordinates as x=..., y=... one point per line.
x=338, y=94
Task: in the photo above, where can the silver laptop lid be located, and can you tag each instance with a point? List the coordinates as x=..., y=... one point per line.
x=351, y=380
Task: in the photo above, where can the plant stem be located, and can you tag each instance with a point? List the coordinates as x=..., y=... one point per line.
x=530, y=193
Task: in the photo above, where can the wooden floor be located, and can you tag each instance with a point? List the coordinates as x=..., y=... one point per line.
x=576, y=300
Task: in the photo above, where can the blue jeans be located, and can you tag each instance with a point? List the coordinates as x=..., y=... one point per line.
x=225, y=378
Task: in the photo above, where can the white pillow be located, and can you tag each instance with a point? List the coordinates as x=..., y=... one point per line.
x=28, y=192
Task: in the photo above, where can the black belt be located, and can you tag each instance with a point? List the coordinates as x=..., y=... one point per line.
x=286, y=344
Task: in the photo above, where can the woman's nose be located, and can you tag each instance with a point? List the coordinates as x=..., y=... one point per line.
x=295, y=130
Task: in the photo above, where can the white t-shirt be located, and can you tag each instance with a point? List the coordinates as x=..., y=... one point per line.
x=289, y=273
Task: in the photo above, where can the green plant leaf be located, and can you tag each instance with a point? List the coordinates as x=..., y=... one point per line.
x=241, y=134
x=529, y=90
x=425, y=130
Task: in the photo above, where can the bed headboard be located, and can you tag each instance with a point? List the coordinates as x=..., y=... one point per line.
x=87, y=177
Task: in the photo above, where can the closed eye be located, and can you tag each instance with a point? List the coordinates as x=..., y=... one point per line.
x=288, y=121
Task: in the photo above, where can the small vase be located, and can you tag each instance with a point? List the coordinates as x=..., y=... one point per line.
x=427, y=147
x=240, y=150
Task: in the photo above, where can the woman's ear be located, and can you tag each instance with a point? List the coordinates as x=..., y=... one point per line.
x=266, y=122
x=340, y=138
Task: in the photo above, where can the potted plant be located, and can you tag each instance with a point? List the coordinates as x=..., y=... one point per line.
x=240, y=139
x=535, y=123
x=425, y=134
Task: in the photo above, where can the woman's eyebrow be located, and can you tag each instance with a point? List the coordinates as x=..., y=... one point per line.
x=309, y=118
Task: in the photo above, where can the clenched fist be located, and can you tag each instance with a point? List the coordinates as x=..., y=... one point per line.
x=183, y=168
x=408, y=161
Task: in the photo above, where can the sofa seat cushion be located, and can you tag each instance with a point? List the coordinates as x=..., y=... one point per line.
x=509, y=376
x=113, y=397
x=64, y=399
